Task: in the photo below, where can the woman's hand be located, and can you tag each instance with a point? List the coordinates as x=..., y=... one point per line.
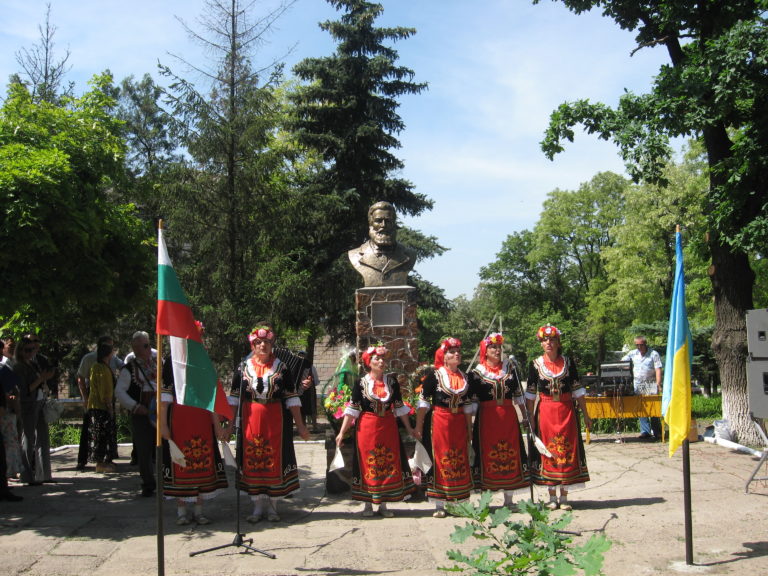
x=340, y=439
x=302, y=430
x=416, y=433
x=587, y=420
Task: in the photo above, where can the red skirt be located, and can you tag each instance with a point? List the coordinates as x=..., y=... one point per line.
x=380, y=472
x=450, y=477
x=192, y=431
x=265, y=451
x=558, y=427
x=500, y=459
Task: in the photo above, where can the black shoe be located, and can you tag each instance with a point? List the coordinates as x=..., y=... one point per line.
x=80, y=467
x=645, y=436
x=147, y=492
x=9, y=496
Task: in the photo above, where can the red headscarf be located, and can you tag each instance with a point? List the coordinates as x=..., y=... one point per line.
x=495, y=339
x=444, y=345
x=371, y=352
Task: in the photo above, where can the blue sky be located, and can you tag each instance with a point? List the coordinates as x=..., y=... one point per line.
x=495, y=69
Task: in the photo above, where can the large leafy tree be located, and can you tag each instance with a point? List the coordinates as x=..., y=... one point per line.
x=556, y=273
x=72, y=256
x=715, y=88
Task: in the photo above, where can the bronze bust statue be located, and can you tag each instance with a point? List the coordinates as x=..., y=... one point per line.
x=381, y=261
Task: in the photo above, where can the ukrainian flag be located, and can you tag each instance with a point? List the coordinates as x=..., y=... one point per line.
x=676, y=396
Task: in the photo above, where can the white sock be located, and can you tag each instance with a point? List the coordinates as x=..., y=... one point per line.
x=257, y=506
x=181, y=511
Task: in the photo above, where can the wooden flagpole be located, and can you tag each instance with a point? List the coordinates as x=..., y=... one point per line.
x=159, y=445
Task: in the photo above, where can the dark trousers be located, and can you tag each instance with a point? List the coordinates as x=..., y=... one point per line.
x=144, y=440
x=3, y=466
x=85, y=441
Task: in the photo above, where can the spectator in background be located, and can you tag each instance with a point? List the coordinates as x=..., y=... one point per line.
x=35, y=443
x=135, y=390
x=83, y=383
x=646, y=377
x=101, y=408
x=10, y=423
x=308, y=391
x=9, y=346
x=5, y=492
x=44, y=364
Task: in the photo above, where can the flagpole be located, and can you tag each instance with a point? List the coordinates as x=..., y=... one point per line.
x=159, y=444
x=687, y=490
x=687, y=504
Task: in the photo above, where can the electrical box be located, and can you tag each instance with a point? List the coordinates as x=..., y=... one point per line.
x=757, y=333
x=757, y=387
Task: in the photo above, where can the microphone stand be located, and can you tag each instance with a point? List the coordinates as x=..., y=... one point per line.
x=513, y=361
x=239, y=541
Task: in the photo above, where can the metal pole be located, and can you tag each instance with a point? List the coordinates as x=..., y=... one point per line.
x=687, y=504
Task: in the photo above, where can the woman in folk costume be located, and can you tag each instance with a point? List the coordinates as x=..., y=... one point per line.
x=443, y=422
x=500, y=462
x=552, y=395
x=269, y=406
x=195, y=431
x=380, y=471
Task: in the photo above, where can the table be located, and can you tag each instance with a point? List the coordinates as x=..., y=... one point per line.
x=615, y=407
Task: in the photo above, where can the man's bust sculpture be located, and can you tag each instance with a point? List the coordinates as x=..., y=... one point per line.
x=381, y=261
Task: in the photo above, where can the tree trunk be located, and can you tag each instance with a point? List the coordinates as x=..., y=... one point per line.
x=732, y=281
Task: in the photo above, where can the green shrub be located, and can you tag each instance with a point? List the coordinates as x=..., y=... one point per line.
x=64, y=433
x=537, y=547
x=707, y=408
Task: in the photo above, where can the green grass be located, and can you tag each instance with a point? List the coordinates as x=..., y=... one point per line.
x=67, y=432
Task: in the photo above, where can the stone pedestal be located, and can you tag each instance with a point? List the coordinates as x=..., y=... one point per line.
x=387, y=314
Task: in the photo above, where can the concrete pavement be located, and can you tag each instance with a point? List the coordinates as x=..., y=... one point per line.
x=98, y=525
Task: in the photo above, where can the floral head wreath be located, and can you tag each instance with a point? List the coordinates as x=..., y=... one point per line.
x=548, y=331
x=200, y=327
x=261, y=333
x=494, y=339
x=444, y=345
x=372, y=351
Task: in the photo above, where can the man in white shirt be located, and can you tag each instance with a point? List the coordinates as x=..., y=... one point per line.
x=136, y=387
x=646, y=373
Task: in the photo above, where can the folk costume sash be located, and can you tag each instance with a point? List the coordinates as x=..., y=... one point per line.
x=192, y=431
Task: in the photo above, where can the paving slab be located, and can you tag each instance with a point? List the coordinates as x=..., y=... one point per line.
x=97, y=525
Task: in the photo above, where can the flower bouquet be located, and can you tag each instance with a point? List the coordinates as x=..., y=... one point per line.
x=338, y=392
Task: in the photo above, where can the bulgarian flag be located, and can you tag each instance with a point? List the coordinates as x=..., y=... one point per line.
x=194, y=376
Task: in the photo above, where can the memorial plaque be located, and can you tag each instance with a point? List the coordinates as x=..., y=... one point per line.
x=387, y=313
